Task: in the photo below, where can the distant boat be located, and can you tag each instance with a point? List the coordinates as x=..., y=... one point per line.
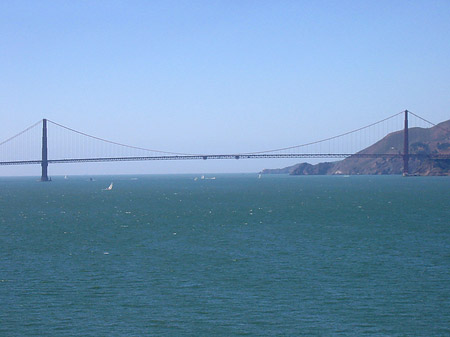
x=202, y=177
x=109, y=188
x=259, y=176
x=195, y=179
x=65, y=177
x=212, y=178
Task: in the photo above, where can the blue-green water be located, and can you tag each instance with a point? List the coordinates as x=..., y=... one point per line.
x=277, y=256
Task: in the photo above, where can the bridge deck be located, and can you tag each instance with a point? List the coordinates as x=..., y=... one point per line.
x=227, y=156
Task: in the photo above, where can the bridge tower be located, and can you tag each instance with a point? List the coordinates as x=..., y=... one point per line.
x=44, y=162
x=405, y=146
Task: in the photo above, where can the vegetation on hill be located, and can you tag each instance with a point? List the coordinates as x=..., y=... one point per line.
x=435, y=140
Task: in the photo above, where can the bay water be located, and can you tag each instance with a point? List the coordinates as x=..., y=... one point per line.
x=170, y=255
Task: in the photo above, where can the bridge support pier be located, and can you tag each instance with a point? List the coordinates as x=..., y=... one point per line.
x=405, y=146
x=44, y=162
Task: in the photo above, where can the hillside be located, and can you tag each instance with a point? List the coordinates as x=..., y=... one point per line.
x=435, y=140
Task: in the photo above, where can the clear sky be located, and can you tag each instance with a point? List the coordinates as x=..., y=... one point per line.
x=218, y=76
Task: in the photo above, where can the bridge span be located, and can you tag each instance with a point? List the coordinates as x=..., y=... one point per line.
x=317, y=149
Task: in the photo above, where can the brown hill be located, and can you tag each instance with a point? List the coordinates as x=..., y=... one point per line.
x=435, y=140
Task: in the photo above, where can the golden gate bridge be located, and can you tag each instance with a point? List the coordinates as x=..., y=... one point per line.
x=48, y=142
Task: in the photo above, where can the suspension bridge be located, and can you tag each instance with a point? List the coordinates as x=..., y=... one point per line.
x=47, y=142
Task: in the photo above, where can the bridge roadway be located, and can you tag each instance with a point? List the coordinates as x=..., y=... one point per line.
x=229, y=156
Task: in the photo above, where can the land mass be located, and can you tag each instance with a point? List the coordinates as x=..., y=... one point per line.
x=431, y=141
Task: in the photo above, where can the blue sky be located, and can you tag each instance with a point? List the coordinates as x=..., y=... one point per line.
x=218, y=76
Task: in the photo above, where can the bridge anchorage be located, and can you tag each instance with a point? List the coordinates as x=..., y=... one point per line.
x=67, y=145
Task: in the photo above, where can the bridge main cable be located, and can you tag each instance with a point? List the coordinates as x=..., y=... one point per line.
x=231, y=154
x=21, y=133
x=325, y=139
x=121, y=144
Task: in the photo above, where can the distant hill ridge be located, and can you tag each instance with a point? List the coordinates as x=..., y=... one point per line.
x=434, y=140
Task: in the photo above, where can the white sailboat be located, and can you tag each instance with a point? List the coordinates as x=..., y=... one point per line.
x=109, y=188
